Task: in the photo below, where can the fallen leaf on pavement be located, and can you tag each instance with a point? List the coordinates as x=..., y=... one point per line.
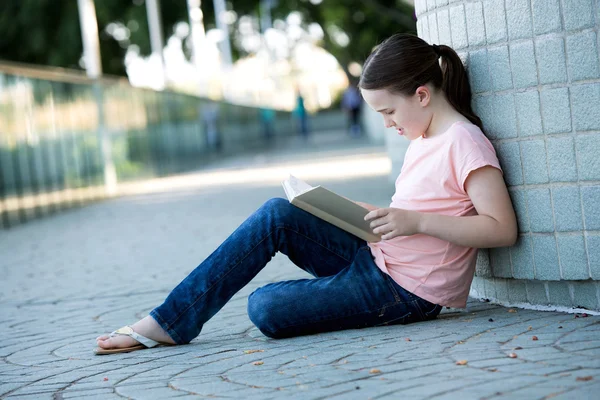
x=517, y=348
x=407, y=339
x=584, y=378
x=252, y=351
x=460, y=342
x=530, y=328
x=534, y=338
x=512, y=310
x=105, y=379
x=512, y=355
x=462, y=362
x=493, y=369
x=258, y=362
x=374, y=371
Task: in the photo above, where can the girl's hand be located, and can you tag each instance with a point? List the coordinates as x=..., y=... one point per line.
x=392, y=222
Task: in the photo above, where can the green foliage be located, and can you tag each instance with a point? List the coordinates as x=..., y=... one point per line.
x=47, y=31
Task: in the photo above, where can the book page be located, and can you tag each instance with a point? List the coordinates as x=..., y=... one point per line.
x=294, y=187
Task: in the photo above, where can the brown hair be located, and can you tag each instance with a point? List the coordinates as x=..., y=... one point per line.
x=404, y=62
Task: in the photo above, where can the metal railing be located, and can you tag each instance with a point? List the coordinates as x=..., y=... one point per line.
x=62, y=137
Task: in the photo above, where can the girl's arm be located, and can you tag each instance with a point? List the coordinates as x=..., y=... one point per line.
x=495, y=226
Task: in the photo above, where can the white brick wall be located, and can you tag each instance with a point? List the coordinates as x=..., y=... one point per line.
x=534, y=69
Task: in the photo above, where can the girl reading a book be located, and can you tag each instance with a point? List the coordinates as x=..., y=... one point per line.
x=450, y=199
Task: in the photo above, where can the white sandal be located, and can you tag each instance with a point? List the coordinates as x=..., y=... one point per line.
x=145, y=343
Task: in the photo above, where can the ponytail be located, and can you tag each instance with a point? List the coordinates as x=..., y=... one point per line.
x=455, y=84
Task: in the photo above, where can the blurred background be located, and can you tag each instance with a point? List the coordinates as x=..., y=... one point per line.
x=94, y=93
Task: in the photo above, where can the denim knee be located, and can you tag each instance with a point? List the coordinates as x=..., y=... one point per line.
x=277, y=206
x=262, y=313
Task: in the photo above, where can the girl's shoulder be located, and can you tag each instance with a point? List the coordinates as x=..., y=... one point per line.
x=467, y=133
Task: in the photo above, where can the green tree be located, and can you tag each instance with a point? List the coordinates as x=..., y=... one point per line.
x=47, y=31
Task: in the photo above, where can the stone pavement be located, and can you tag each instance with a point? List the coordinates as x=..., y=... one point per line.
x=69, y=277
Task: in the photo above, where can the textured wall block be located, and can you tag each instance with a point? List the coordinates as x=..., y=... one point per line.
x=441, y=3
x=459, y=27
x=536, y=292
x=509, y=155
x=518, y=18
x=556, y=110
x=582, y=56
x=517, y=292
x=585, y=101
x=420, y=7
x=567, y=208
x=578, y=14
x=573, y=260
x=546, y=16
x=550, y=55
x=444, y=36
x=504, y=123
x=425, y=29
x=524, y=70
x=559, y=293
x=479, y=76
x=475, y=27
x=593, y=248
x=528, y=113
x=540, y=210
x=590, y=197
x=545, y=255
x=482, y=106
x=495, y=21
x=501, y=290
x=433, y=29
x=522, y=258
x=489, y=288
x=500, y=262
x=562, y=164
x=534, y=161
x=520, y=205
x=499, y=68
x=420, y=32
x=588, y=153
x=482, y=266
x=585, y=295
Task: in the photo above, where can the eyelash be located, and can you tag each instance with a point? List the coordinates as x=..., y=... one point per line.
x=389, y=112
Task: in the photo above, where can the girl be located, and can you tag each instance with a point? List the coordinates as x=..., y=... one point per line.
x=450, y=200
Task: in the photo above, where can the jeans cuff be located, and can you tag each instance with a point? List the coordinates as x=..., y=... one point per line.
x=171, y=332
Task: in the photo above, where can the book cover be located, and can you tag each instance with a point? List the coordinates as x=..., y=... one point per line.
x=329, y=206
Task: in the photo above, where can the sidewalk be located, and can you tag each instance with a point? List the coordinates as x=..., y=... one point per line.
x=69, y=277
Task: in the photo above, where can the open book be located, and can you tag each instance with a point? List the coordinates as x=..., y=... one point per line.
x=331, y=207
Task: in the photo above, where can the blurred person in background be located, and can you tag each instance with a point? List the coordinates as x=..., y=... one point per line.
x=351, y=104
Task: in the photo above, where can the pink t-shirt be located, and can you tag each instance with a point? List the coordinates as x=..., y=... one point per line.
x=432, y=181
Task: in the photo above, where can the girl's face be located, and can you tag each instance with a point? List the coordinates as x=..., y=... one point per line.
x=407, y=114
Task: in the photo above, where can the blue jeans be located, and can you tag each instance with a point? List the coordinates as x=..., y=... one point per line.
x=349, y=291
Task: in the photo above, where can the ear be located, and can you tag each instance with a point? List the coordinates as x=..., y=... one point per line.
x=423, y=95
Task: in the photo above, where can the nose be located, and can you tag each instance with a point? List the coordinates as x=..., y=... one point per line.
x=388, y=122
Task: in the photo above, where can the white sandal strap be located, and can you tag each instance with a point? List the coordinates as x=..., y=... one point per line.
x=128, y=331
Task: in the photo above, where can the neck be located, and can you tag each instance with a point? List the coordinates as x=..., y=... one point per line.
x=443, y=116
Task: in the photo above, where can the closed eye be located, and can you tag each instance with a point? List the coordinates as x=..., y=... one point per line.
x=389, y=112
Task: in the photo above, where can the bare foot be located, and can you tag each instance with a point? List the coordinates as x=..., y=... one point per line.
x=147, y=327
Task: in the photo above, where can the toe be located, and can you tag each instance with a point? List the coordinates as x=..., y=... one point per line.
x=117, y=342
